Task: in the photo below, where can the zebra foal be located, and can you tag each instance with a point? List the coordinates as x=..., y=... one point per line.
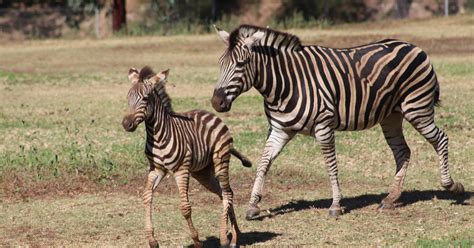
x=195, y=143
x=316, y=91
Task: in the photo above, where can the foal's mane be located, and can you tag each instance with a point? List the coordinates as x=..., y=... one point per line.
x=145, y=73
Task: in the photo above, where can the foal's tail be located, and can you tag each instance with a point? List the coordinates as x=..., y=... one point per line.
x=245, y=161
x=436, y=100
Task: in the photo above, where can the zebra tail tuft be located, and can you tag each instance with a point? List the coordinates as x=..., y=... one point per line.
x=245, y=161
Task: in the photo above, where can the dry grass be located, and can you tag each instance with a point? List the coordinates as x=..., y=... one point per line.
x=71, y=176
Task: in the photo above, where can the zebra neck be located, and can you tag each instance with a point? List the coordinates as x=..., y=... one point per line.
x=159, y=123
x=273, y=80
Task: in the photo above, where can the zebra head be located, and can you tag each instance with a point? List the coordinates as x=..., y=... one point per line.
x=143, y=85
x=237, y=73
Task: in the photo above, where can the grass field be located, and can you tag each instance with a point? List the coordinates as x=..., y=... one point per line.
x=69, y=174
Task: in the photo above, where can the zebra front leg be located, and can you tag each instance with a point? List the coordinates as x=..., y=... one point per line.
x=154, y=178
x=325, y=136
x=393, y=133
x=182, y=179
x=277, y=139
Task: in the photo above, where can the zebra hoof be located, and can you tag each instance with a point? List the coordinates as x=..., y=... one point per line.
x=154, y=244
x=224, y=243
x=456, y=188
x=386, y=206
x=198, y=244
x=335, y=212
x=252, y=212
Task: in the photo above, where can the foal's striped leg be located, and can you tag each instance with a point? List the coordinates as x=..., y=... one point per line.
x=154, y=178
x=221, y=165
x=207, y=178
x=182, y=179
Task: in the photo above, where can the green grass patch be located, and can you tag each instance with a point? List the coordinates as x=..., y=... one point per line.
x=432, y=243
x=456, y=70
x=27, y=79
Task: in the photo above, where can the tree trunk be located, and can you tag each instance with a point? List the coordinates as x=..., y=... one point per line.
x=214, y=10
x=119, y=15
x=326, y=10
x=402, y=7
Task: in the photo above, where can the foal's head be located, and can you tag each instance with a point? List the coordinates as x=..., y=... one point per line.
x=140, y=95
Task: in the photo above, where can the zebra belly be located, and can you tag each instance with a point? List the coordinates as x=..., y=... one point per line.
x=365, y=102
x=169, y=164
x=208, y=136
x=365, y=118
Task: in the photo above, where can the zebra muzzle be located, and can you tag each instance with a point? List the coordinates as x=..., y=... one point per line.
x=129, y=124
x=219, y=101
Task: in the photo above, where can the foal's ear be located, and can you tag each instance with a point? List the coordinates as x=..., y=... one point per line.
x=159, y=78
x=222, y=34
x=133, y=75
x=163, y=75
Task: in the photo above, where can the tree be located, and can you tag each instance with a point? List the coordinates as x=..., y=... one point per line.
x=119, y=15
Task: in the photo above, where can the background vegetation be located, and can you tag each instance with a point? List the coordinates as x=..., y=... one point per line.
x=103, y=18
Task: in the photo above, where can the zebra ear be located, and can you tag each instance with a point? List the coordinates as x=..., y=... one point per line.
x=133, y=75
x=222, y=34
x=254, y=39
x=162, y=76
x=159, y=78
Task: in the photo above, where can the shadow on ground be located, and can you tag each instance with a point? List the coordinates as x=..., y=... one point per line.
x=245, y=238
x=357, y=202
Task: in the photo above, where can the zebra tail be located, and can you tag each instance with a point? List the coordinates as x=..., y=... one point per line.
x=437, y=101
x=245, y=161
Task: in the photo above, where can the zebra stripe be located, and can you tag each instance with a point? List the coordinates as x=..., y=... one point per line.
x=195, y=143
x=317, y=90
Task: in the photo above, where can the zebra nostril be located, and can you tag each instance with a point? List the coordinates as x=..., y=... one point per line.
x=222, y=104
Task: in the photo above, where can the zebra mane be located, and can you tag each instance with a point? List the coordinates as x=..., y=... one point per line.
x=164, y=98
x=274, y=38
x=145, y=73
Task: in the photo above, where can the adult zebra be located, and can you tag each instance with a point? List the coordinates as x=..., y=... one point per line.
x=317, y=90
x=195, y=143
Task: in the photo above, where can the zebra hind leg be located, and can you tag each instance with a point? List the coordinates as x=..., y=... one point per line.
x=209, y=181
x=393, y=133
x=439, y=140
x=222, y=175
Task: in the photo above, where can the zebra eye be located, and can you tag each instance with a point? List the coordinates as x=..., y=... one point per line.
x=242, y=63
x=239, y=63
